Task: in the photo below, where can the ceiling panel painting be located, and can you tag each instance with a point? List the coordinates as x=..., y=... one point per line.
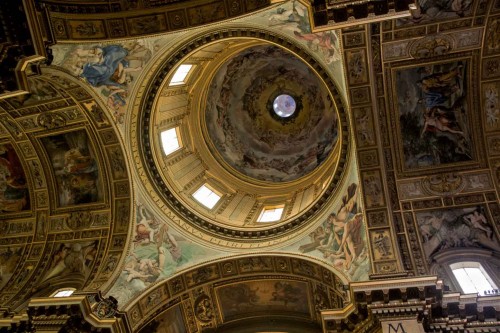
x=9, y=259
x=491, y=105
x=264, y=297
x=40, y=93
x=71, y=259
x=434, y=118
x=75, y=168
x=14, y=195
x=171, y=321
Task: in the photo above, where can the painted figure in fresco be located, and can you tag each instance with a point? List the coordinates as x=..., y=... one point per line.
x=433, y=114
x=156, y=254
x=75, y=167
x=145, y=269
x=323, y=42
x=286, y=293
x=478, y=220
x=294, y=18
x=296, y=21
x=240, y=297
x=436, y=119
x=433, y=9
x=13, y=188
x=146, y=228
x=343, y=244
x=382, y=244
x=110, y=68
x=166, y=241
x=72, y=259
x=437, y=88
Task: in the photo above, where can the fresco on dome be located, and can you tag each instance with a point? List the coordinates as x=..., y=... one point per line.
x=75, y=168
x=251, y=298
x=14, y=196
x=433, y=114
x=157, y=253
x=240, y=121
x=171, y=321
x=292, y=18
x=110, y=69
x=432, y=10
x=456, y=228
x=9, y=258
x=341, y=238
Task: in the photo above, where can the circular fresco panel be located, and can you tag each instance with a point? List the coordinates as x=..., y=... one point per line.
x=269, y=116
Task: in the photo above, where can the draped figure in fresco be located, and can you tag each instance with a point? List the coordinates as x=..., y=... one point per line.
x=438, y=87
x=437, y=90
x=165, y=241
x=343, y=244
x=13, y=188
x=111, y=68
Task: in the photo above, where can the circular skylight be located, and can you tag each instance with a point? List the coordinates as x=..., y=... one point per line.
x=284, y=105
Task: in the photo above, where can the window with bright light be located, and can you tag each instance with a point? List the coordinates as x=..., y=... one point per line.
x=170, y=140
x=472, y=277
x=180, y=75
x=271, y=214
x=206, y=196
x=64, y=292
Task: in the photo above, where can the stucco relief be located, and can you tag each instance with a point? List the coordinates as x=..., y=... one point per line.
x=454, y=228
x=491, y=105
x=428, y=11
x=410, y=190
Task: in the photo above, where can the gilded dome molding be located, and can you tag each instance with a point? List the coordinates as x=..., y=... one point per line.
x=184, y=217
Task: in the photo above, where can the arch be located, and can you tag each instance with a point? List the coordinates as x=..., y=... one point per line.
x=446, y=260
x=238, y=288
x=80, y=190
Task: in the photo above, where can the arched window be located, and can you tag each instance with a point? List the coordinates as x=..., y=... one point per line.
x=472, y=277
x=63, y=292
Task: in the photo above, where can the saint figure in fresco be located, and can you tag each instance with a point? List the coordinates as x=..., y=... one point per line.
x=13, y=188
x=343, y=243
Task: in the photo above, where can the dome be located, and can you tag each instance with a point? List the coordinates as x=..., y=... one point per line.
x=244, y=125
x=218, y=153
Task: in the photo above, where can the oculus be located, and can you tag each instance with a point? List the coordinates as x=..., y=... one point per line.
x=284, y=105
